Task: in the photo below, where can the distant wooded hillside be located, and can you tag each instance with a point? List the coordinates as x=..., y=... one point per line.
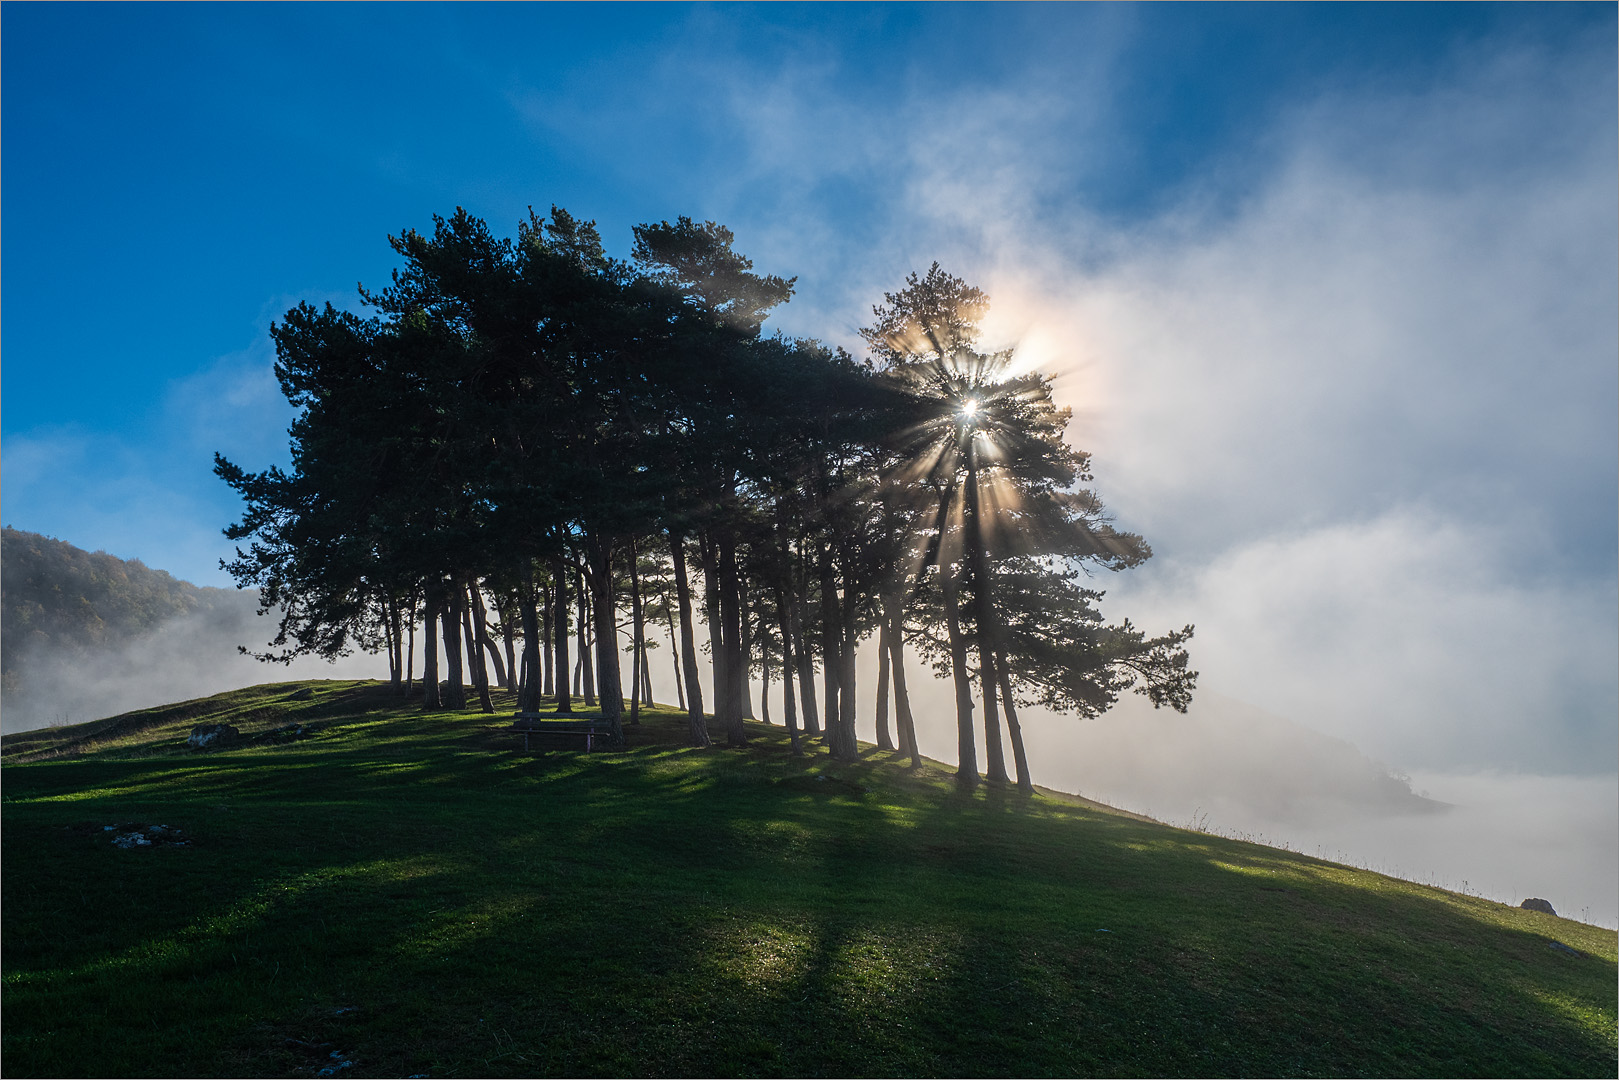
x=62, y=599
x=87, y=634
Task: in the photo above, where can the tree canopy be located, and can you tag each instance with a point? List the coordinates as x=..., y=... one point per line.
x=527, y=435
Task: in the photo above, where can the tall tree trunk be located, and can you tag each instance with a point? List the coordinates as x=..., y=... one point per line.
x=637, y=636
x=716, y=634
x=1019, y=758
x=477, y=636
x=609, y=687
x=764, y=689
x=674, y=655
x=410, y=650
x=967, y=769
x=491, y=649
x=547, y=608
x=399, y=643
x=587, y=670
x=831, y=648
x=646, y=676
x=390, y=631
x=984, y=616
x=967, y=766
x=784, y=609
x=396, y=643
x=884, y=741
x=736, y=665
x=432, y=696
x=455, y=696
x=559, y=586
x=847, y=746
x=528, y=599
x=806, y=667
x=508, y=632
x=469, y=640
x=902, y=698
x=693, y=701
x=851, y=698
x=994, y=752
x=745, y=648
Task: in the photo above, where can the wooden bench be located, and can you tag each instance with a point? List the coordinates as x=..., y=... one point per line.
x=531, y=724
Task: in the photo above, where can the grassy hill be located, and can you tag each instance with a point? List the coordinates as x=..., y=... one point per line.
x=415, y=895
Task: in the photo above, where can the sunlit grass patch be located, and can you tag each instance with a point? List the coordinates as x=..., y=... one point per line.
x=455, y=930
x=762, y=958
x=1598, y=1021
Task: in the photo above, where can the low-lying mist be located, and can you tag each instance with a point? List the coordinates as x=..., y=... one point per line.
x=1230, y=768
x=186, y=657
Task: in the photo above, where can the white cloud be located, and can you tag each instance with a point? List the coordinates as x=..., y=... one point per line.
x=1407, y=635
x=1339, y=350
x=233, y=405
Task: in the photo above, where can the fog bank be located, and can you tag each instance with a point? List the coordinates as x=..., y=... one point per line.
x=1230, y=768
x=192, y=656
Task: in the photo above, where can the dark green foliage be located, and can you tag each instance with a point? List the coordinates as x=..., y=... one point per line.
x=414, y=893
x=1063, y=656
x=697, y=263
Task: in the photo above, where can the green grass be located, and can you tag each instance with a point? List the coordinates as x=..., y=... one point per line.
x=416, y=894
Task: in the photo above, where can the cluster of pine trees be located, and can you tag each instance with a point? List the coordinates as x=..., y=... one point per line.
x=530, y=438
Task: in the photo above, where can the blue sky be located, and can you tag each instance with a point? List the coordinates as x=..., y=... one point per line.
x=1331, y=288
x=176, y=173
